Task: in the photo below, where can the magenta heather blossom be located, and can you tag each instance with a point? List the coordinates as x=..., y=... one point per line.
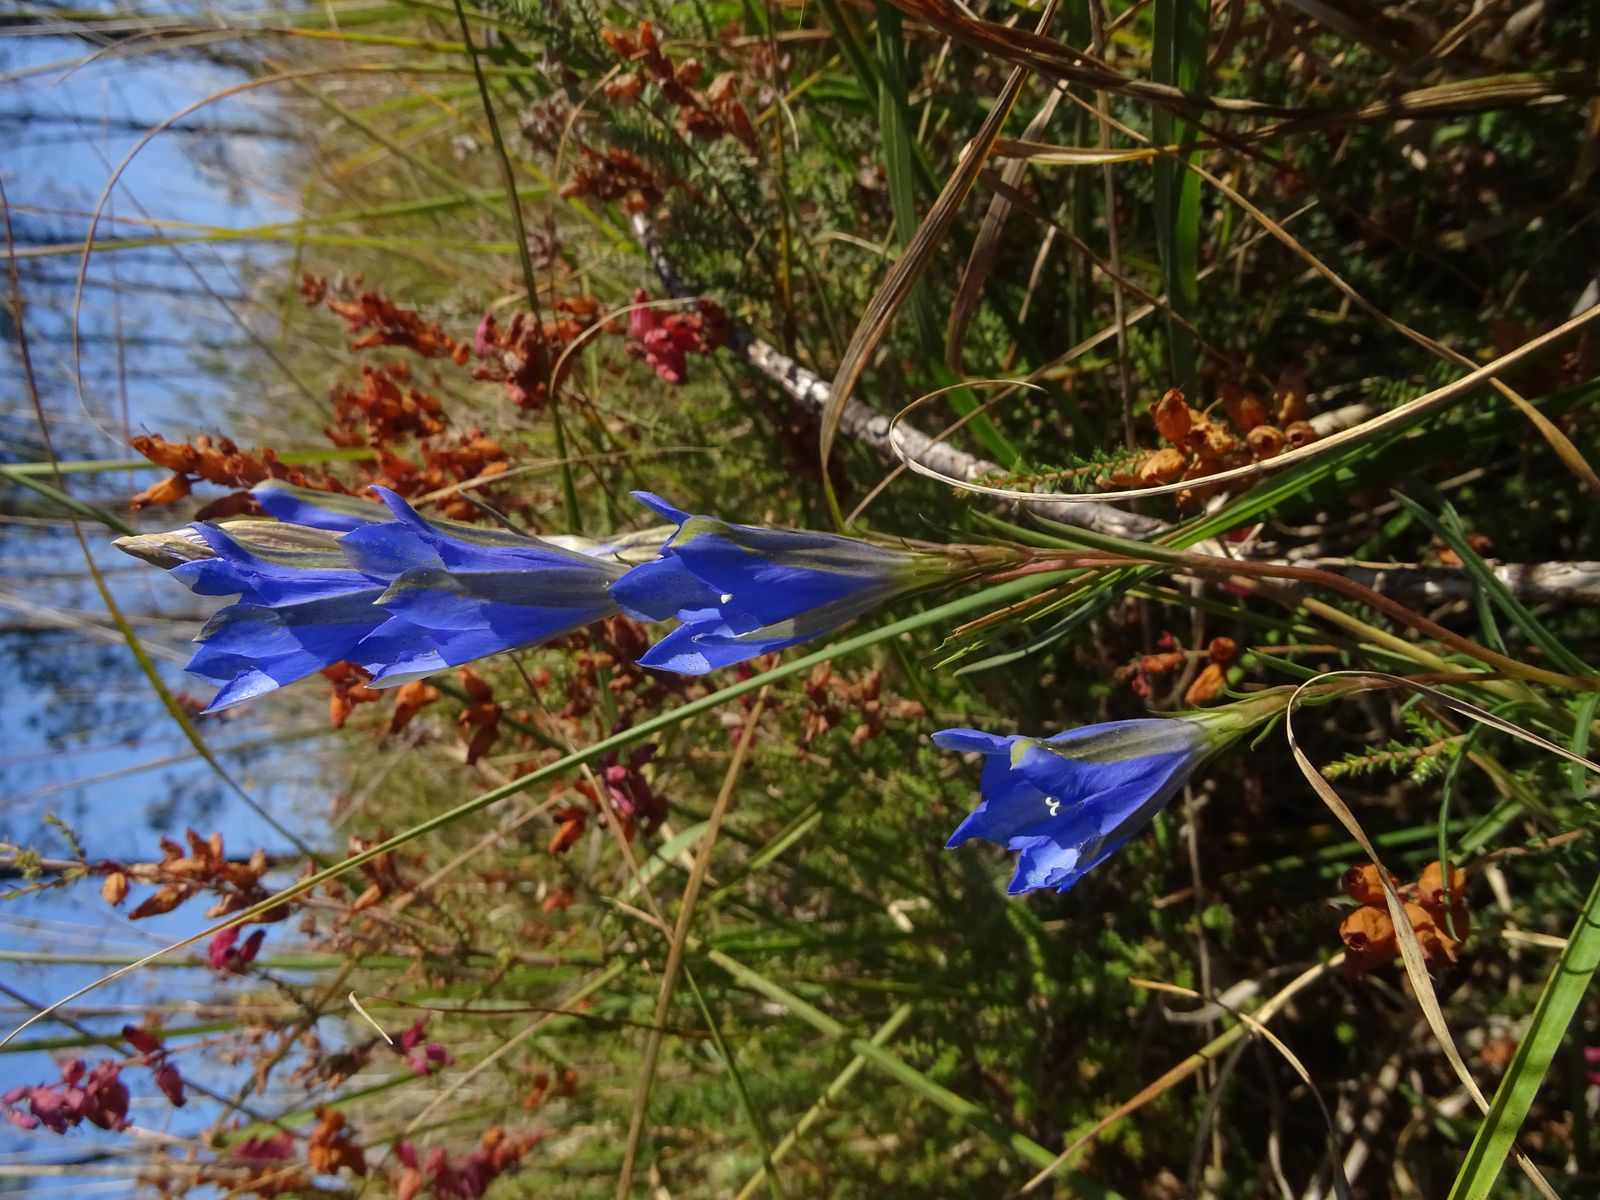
x=423, y=1059
x=226, y=954
x=98, y=1096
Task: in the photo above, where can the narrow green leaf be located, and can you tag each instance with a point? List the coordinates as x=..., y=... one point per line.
x=1179, y=59
x=1564, y=989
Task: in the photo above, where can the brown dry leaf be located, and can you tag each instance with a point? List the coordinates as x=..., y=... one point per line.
x=1289, y=397
x=1223, y=650
x=1361, y=884
x=164, y=900
x=330, y=1147
x=1369, y=931
x=1173, y=417
x=1206, y=685
x=1164, y=466
x=1160, y=664
x=1437, y=945
x=1300, y=433
x=1244, y=408
x=1430, y=888
x=115, y=888
x=409, y=700
x=167, y=491
x=1265, y=441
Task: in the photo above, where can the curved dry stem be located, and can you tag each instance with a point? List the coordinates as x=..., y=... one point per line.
x=1186, y=1068
x=1396, y=418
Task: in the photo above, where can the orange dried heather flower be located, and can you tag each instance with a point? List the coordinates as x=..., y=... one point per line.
x=1361, y=884
x=390, y=325
x=220, y=462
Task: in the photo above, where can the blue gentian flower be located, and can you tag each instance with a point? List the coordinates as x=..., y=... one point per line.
x=301, y=608
x=400, y=596
x=477, y=592
x=741, y=591
x=1066, y=803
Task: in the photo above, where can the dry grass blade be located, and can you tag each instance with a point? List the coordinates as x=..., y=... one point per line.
x=1055, y=60
x=680, y=938
x=1341, y=1185
x=986, y=246
x=1073, y=156
x=1186, y=1068
x=1411, y=951
x=896, y=287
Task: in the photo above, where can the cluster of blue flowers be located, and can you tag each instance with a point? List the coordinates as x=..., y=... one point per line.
x=334, y=579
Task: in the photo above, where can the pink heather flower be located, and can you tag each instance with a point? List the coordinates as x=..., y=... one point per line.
x=106, y=1097
x=226, y=954
x=273, y=1149
x=251, y=947
x=50, y=1108
x=630, y=793
x=221, y=948
x=141, y=1039
x=171, y=1084
x=665, y=340
x=487, y=338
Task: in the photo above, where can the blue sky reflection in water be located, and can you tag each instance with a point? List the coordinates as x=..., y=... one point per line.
x=83, y=736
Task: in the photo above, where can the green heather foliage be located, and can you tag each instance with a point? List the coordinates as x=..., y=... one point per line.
x=635, y=933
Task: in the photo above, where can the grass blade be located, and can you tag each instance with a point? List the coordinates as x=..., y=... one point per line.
x=1179, y=59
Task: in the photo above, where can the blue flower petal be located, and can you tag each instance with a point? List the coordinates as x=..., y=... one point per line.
x=1067, y=803
x=245, y=644
x=387, y=551
x=964, y=741
x=317, y=510
x=249, y=683
x=659, y=506
x=743, y=591
x=778, y=578
x=461, y=548
x=399, y=596
x=663, y=589
x=1043, y=862
x=475, y=614
x=705, y=646
x=1011, y=807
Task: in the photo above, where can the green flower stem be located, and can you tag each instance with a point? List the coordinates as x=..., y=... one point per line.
x=1506, y=689
x=1210, y=565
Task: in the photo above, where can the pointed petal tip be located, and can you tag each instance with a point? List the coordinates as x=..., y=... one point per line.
x=963, y=741
x=659, y=506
